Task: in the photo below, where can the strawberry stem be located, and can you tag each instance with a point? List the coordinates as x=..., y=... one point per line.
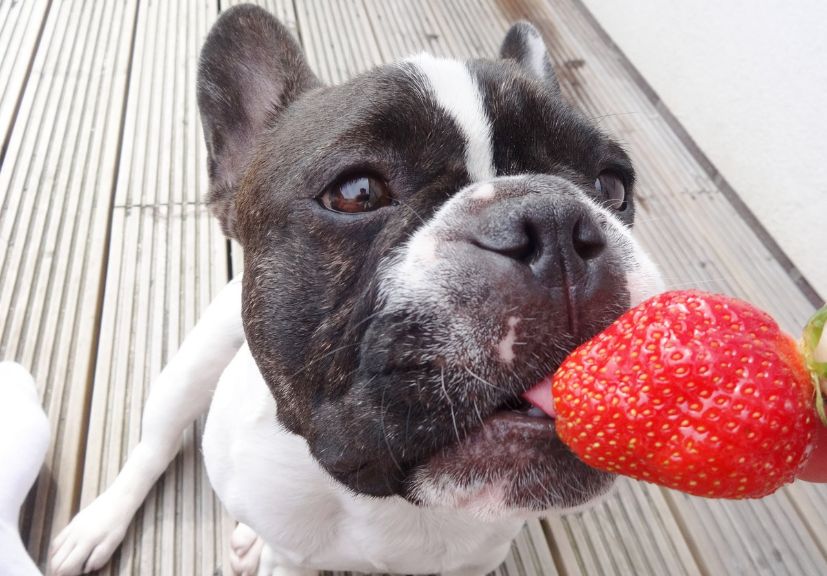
x=815, y=356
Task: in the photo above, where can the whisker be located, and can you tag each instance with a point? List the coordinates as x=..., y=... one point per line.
x=382, y=424
x=484, y=381
x=370, y=317
x=415, y=213
x=450, y=403
x=322, y=357
x=346, y=334
x=615, y=114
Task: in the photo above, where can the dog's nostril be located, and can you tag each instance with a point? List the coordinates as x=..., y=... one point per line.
x=588, y=238
x=523, y=247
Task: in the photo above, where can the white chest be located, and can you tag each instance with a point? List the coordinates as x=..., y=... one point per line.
x=266, y=478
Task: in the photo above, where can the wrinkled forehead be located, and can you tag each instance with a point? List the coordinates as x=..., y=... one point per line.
x=486, y=116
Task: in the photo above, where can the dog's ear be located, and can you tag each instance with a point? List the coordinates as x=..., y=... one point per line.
x=524, y=44
x=250, y=70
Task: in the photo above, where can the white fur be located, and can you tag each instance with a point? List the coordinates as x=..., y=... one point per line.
x=484, y=191
x=423, y=248
x=266, y=476
x=24, y=439
x=506, y=345
x=455, y=91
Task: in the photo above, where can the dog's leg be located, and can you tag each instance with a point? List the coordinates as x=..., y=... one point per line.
x=181, y=393
x=24, y=439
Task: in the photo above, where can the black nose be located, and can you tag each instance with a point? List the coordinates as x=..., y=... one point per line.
x=543, y=233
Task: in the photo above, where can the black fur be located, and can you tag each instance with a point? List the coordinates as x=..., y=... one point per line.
x=250, y=70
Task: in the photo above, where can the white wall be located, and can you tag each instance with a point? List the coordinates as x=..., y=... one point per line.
x=748, y=80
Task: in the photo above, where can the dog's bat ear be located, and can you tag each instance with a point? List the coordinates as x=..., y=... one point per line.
x=250, y=70
x=524, y=44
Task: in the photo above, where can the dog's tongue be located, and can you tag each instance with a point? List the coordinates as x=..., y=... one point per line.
x=540, y=396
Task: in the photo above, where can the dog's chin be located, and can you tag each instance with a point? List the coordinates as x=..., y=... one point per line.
x=514, y=465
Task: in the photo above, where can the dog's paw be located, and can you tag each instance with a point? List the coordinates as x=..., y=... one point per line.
x=89, y=540
x=245, y=551
x=250, y=556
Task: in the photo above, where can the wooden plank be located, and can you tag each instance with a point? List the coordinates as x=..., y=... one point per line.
x=534, y=550
x=167, y=260
x=55, y=185
x=631, y=532
x=810, y=500
x=20, y=27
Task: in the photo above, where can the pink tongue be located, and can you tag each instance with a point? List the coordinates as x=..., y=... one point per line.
x=540, y=396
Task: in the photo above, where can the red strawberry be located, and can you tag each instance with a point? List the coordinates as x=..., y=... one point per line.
x=698, y=392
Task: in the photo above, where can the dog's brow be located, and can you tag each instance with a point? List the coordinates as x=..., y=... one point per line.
x=454, y=89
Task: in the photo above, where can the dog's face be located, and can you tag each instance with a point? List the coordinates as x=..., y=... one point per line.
x=422, y=245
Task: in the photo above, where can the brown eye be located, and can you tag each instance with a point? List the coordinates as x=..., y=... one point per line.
x=612, y=189
x=360, y=194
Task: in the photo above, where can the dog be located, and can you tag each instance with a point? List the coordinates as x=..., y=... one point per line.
x=423, y=246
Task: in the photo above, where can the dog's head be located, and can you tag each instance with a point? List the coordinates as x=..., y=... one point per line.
x=422, y=245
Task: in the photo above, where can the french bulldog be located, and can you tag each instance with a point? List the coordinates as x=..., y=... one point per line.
x=423, y=245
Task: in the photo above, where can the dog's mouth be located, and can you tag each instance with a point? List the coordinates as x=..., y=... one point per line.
x=513, y=462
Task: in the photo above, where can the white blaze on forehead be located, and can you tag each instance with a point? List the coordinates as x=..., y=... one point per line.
x=506, y=345
x=456, y=92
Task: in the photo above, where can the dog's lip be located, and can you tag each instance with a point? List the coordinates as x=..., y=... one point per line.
x=510, y=428
x=521, y=421
x=502, y=423
x=504, y=438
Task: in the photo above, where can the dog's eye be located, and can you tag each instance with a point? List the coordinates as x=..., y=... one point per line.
x=360, y=194
x=610, y=186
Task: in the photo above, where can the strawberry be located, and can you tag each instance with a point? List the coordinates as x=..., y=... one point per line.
x=698, y=392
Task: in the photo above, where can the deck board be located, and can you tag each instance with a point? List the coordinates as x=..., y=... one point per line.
x=20, y=27
x=109, y=254
x=55, y=184
x=167, y=260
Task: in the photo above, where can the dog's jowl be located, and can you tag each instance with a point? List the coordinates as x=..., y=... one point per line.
x=423, y=244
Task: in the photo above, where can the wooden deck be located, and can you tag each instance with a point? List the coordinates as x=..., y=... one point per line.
x=107, y=255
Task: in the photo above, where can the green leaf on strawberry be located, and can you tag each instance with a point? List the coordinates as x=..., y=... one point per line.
x=814, y=345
